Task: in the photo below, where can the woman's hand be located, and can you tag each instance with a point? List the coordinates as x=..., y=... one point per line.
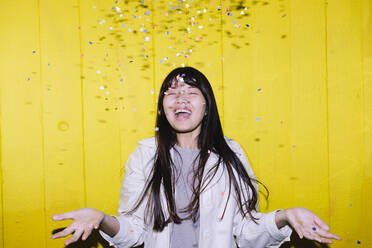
x=306, y=224
x=84, y=221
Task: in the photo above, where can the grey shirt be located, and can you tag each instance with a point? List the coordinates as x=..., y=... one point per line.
x=186, y=234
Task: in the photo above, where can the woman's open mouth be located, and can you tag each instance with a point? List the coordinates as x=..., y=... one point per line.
x=182, y=114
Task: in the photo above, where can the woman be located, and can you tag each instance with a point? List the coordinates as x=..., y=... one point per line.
x=190, y=186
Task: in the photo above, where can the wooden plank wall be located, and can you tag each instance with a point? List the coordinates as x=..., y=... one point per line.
x=79, y=87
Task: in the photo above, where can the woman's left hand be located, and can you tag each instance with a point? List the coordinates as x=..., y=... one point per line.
x=306, y=224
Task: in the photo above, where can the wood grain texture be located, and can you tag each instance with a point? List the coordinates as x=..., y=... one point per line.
x=79, y=88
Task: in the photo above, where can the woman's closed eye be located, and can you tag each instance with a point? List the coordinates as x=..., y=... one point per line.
x=193, y=93
x=171, y=93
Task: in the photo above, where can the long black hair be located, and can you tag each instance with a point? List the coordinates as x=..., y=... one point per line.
x=210, y=139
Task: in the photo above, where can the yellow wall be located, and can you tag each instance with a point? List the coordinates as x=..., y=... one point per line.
x=78, y=90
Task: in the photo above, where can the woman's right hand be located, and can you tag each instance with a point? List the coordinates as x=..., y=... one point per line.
x=84, y=221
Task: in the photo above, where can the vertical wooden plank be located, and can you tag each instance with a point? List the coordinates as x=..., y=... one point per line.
x=346, y=119
x=239, y=28
x=367, y=78
x=137, y=118
x=62, y=111
x=1, y=184
x=1, y=176
x=257, y=91
x=204, y=44
x=21, y=126
x=169, y=39
x=309, y=143
x=101, y=103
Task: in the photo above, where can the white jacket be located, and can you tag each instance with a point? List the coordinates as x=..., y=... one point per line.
x=214, y=232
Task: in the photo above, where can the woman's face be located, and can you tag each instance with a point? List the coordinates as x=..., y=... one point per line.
x=184, y=107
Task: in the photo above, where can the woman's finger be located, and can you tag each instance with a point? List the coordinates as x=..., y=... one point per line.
x=87, y=232
x=321, y=223
x=326, y=234
x=68, y=230
x=321, y=235
x=297, y=228
x=64, y=216
x=312, y=235
x=75, y=237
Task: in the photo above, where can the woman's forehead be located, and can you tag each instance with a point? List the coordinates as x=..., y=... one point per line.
x=180, y=84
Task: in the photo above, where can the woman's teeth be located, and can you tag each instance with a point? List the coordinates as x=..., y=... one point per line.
x=183, y=111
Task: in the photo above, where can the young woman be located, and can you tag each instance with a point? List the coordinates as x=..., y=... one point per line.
x=190, y=186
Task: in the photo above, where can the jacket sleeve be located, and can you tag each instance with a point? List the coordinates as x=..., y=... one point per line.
x=263, y=234
x=132, y=226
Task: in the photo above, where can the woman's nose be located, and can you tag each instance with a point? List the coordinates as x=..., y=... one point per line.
x=182, y=97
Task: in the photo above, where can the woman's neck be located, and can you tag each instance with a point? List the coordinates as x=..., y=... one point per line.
x=187, y=140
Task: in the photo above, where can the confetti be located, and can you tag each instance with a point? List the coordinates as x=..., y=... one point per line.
x=156, y=129
x=259, y=89
x=257, y=118
x=34, y=51
x=90, y=42
x=314, y=228
x=147, y=38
